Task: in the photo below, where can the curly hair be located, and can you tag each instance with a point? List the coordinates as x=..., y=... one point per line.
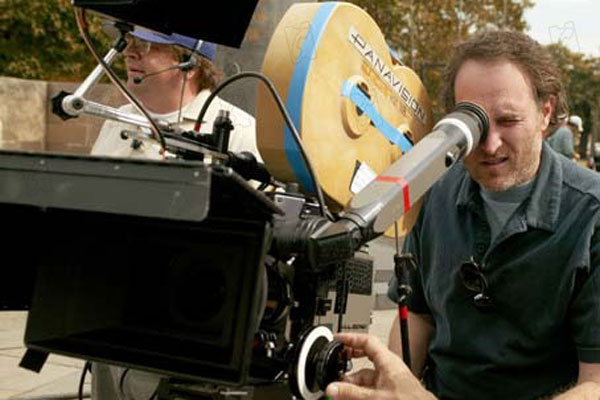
x=208, y=74
x=518, y=48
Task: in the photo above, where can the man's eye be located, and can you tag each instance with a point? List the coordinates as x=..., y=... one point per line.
x=508, y=121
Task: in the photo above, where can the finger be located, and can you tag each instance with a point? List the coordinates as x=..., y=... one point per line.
x=357, y=341
x=348, y=391
x=371, y=346
x=356, y=353
x=364, y=377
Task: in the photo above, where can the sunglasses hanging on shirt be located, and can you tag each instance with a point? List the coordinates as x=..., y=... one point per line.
x=475, y=282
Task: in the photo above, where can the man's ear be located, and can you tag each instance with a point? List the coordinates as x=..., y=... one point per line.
x=191, y=72
x=191, y=75
x=547, y=110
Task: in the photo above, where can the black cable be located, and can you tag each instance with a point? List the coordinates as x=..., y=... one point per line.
x=185, y=77
x=154, y=394
x=402, y=263
x=86, y=367
x=122, y=381
x=288, y=121
x=82, y=25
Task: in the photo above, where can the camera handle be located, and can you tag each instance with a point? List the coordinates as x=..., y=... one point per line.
x=222, y=128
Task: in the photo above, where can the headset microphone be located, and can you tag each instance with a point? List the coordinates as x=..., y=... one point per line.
x=184, y=66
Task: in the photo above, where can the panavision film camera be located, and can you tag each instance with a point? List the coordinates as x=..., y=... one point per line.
x=189, y=268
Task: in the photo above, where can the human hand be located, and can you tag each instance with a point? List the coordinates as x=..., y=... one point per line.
x=391, y=378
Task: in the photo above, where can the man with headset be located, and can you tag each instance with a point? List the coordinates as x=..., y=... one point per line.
x=172, y=76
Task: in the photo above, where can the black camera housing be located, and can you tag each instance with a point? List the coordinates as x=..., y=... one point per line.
x=224, y=23
x=132, y=266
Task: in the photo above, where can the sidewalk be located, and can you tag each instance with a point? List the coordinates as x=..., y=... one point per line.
x=60, y=375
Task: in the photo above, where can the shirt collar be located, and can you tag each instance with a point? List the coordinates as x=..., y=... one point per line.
x=467, y=189
x=544, y=201
x=190, y=111
x=544, y=206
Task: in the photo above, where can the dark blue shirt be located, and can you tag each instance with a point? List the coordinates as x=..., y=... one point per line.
x=543, y=275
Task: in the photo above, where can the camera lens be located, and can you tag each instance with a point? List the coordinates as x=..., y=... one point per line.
x=198, y=289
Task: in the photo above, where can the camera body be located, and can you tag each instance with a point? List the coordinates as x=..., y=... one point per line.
x=158, y=268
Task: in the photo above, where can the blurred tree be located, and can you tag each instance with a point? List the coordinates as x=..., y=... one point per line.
x=40, y=40
x=581, y=77
x=423, y=32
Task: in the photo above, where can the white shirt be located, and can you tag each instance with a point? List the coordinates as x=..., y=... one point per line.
x=242, y=137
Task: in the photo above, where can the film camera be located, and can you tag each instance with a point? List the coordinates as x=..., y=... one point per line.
x=184, y=268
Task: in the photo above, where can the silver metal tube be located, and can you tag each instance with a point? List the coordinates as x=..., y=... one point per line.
x=385, y=199
x=95, y=75
x=391, y=194
x=102, y=111
x=73, y=103
x=77, y=106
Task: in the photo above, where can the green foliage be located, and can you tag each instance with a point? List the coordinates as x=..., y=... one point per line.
x=581, y=77
x=424, y=32
x=40, y=40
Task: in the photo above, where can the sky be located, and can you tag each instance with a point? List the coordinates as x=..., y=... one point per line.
x=575, y=23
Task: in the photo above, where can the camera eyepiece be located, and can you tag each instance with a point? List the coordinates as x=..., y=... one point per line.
x=478, y=113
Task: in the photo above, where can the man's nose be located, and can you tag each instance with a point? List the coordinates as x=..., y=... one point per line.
x=493, y=141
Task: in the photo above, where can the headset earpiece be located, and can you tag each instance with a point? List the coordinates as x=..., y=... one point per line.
x=184, y=58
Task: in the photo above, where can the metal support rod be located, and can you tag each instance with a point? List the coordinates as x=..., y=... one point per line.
x=100, y=110
x=96, y=74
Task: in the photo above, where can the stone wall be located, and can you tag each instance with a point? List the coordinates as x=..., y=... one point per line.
x=23, y=114
x=27, y=122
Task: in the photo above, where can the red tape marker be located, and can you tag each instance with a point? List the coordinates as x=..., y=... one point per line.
x=400, y=181
x=403, y=312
